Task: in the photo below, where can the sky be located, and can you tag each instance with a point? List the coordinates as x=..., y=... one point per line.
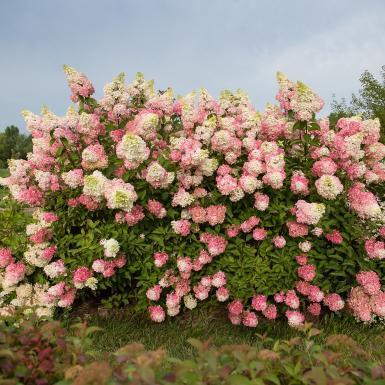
x=185, y=44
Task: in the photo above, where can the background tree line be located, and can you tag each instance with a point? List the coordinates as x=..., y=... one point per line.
x=369, y=102
x=13, y=145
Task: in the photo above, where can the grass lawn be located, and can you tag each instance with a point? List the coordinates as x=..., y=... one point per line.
x=121, y=327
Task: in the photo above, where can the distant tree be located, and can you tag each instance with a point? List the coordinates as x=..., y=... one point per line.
x=13, y=145
x=340, y=109
x=370, y=101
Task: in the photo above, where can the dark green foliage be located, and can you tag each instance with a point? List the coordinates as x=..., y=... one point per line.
x=250, y=266
x=13, y=145
x=13, y=219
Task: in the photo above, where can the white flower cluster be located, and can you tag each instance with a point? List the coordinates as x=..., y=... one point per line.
x=158, y=177
x=43, y=179
x=133, y=150
x=190, y=302
x=111, y=247
x=147, y=124
x=115, y=93
x=30, y=299
x=33, y=254
x=182, y=198
x=85, y=125
x=119, y=195
x=329, y=186
x=72, y=178
x=94, y=185
x=208, y=165
x=237, y=194
x=204, y=132
x=55, y=269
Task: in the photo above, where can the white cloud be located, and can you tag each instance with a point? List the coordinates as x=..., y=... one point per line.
x=187, y=45
x=331, y=61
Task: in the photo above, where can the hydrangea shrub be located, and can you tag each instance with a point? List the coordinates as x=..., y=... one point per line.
x=172, y=201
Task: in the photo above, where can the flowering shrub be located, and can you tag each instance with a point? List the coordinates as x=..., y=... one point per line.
x=174, y=201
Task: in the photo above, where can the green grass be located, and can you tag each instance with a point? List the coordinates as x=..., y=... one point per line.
x=121, y=327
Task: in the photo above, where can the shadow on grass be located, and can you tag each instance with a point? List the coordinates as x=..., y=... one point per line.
x=121, y=327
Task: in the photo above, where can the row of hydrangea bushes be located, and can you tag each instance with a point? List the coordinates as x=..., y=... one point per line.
x=167, y=202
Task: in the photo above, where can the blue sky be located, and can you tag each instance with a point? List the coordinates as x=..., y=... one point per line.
x=216, y=44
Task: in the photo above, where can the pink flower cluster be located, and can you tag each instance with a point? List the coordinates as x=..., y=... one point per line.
x=298, y=98
x=182, y=291
x=216, y=244
x=375, y=249
x=79, y=84
x=367, y=301
x=363, y=202
x=239, y=313
x=214, y=215
x=14, y=273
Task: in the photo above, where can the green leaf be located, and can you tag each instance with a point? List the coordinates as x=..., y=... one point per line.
x=238, y=379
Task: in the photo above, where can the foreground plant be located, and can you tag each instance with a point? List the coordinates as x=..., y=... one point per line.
x=173, y=201
x=47, y=354
x=39, y=353
x=300, y=360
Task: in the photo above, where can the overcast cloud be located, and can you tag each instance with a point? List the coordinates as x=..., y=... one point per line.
x=186, y=44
